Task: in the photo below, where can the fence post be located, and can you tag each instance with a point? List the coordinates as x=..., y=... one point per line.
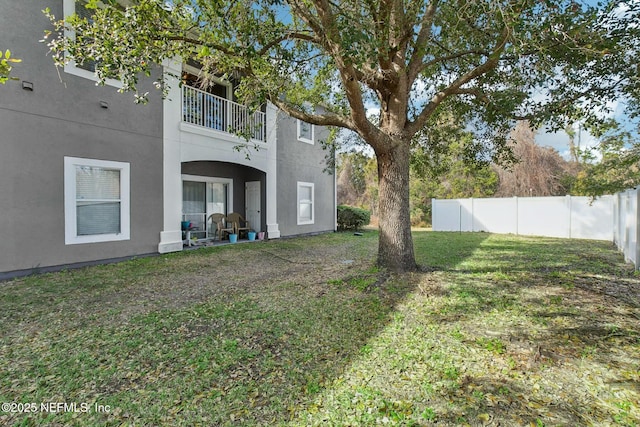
x=570, y=207
x=517, y=215
x=625, y=230
x=473, y=216
x=616, y=204
x=613, y=219
x=433, y=213
x=636, y=220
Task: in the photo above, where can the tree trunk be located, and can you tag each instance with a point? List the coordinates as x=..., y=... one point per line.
x=395, y=246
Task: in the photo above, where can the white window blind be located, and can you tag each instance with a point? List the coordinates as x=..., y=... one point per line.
x=97, y=201
x=194, y=197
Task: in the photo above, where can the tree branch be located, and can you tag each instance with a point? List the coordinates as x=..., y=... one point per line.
x=195, y=42
x=327, y=119
x=349, y=75
x=456, y=86
x=419, y=46
x=292, y=35
x=440, y=59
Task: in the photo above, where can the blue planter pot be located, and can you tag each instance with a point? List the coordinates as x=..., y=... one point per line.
x=233, y=238
x=251, y=235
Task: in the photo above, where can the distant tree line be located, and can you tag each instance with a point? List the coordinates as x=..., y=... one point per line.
x=535, y=171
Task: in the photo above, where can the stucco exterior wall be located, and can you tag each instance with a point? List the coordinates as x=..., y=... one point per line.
x=61, y=117
x=66, y=115
x=303, y=162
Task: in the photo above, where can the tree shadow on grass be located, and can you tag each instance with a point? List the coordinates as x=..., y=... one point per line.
x=224, y=336
x=277, y=333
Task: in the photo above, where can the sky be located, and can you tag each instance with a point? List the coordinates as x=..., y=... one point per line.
x=560, y=140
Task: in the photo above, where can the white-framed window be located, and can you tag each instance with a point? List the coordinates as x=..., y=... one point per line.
x=86, y=70
x=305, y=203
x=305, y=132
x=96, y=200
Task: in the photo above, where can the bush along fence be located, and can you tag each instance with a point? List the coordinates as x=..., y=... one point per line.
x=613, y=218
x=352, y=218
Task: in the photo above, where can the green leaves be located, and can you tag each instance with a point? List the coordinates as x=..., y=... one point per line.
x=612, y=166
x=491, y=56
x=387, y=70
x=5, y=66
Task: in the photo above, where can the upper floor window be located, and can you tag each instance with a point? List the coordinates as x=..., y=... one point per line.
x=305, y=132
x=82, y=11
x=87, y=68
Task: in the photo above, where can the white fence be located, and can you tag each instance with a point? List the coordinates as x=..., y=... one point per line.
x=612, y=218
x=625, y=230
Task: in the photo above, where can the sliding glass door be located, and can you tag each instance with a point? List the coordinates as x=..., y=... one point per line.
x=201, y=199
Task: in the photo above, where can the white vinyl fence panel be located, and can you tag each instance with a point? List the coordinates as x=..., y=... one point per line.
x=626, y=224
x=544, y=216
x=495, y=215
x=612, y=218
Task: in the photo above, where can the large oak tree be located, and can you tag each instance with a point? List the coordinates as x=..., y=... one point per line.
x=384, y=69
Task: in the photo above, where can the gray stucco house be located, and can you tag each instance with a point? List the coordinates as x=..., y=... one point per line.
x=86, y=174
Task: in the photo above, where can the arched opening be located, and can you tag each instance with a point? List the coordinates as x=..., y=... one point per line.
x=220, y=187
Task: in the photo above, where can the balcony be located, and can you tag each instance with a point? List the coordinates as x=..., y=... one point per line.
x=204, y=109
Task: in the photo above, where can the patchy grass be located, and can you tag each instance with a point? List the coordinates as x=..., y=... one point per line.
x=499, y=330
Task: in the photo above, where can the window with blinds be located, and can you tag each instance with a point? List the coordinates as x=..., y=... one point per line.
x=97, y=205
x=97, y=201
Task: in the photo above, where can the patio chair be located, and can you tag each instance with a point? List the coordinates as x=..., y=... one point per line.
x=239, y=223
x=220, y=225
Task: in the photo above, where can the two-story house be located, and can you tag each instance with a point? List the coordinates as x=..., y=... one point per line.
x=88, y=175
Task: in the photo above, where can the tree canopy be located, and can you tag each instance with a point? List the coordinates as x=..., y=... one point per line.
x=410, y=63
x=612, y=166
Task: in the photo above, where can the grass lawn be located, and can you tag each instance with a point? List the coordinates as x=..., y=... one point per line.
x=496, y=330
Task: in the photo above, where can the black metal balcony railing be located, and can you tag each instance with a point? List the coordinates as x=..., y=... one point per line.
x=204, y=109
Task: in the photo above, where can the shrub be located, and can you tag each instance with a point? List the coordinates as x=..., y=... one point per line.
x=350, y=217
